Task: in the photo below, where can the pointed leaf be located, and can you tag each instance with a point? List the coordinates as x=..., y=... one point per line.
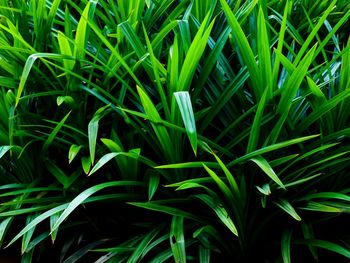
x=73, y=151
x=326, y=245
x=106, y=158
x=220, y=212
x=185, y=105
x=287, y=207
x=86, y=164
x=86, y=194
x=153, y=185
x=177, y=240
x=265, y=166
x=285, y=246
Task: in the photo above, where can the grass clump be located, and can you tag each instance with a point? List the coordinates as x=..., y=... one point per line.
x=162, y=131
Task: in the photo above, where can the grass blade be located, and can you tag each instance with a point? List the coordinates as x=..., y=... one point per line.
x=104, y=159
x=326, y=245
x=220, y=212
x=265, y=166
x=177, y=239
x=86, y=194
x=288, y=208
x=285, y=246
x=185, y=105
x=93, y=129
x=264, y=55
x=244, y=48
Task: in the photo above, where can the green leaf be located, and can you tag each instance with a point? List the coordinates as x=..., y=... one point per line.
x=255, y=130
x=36, y=221
x=86, y=194
x=28, y=235
x=54, y=133
x=265, y=166
x=81, y=33
x=289, y=91
x=4, y=226
x=293, y=83
x=30, y=190
x=288, y=208
x=93, y=129
x=345, y=70
x=133, y=38
x=177, y=240
x=265, y=189
x=51, y=212
x=326, y=245
x=314, y=31
x=222, y=186
x=220, y=212
x=86, y=164
x=27, y=68
x=323, y=109
x=270, y=148
x=245, y=50
x=157, y=70
x=116, y=146
x=204, y=255
x=53, y=220
x=57, y=173
x=53, y=12
x=264, y=55
x=104, y=159
x=73, y=151
x=160, y=131
x=64, y=99
x=319, y=207
x=283, y=160
x=164, y=209
x=65, y=49
x=326, y=195
x=308, y=233
x=153, y=185
x=285, y=246
x=4, y=150
x=27, y=257
x=214, y=57
x=75, y=257
x=185, y=105
x=194, y=54
x=187, y=165
x=301, y=181
x=281, y=40
x=234, y=186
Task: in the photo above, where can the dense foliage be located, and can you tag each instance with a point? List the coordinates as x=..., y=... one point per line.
x=175, y=130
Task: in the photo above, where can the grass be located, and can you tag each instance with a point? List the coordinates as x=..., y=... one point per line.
x=162, y=131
